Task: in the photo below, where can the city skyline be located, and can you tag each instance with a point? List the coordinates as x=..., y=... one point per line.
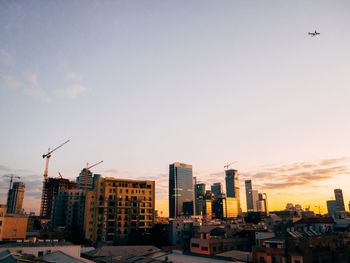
x=142, y=85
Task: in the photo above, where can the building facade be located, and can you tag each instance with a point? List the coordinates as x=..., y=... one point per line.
x=13, y=227
x=15, y=198
x=69, y=207
x=119, y=210
x=180, y=190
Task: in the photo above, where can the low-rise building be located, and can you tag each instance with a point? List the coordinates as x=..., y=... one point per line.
x=12, y=226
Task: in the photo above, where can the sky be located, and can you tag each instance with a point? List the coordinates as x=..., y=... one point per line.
x=142, y=84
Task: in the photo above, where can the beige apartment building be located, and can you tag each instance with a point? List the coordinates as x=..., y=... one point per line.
x=118, y=208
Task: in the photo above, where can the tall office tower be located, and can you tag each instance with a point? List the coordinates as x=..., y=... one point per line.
x=180, y=190
x=338, y=193
x=216, y=188
x=199, y=195
x=119, y=210
x=262, y=205
x=15, y=198
x=232, y=187
x=251, y=196
x=232, y=183
x=68, y=211
x=50, y=190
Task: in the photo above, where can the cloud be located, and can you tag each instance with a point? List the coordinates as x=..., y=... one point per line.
x=6, y=58
x=33, y=89
x=72, y=90
x=300, y=174
x=10, y=82
x=74, y=77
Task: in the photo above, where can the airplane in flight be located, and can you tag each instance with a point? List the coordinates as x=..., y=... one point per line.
x=314, y=33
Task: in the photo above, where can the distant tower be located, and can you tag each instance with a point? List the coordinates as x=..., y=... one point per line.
x=216, y=189
x=199, y=194
x=339, y=198
x=180, y=190
x=15, y=198
x=262, y=205
x=232, y=188
x=251, y=196
x=232, y=183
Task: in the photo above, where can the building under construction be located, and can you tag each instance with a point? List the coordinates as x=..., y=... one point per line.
x=51, y=187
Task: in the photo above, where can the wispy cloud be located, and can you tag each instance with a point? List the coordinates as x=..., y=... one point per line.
x=28, y=86
x=10, y=82
x=300, y=174
x=34, y=90
x=73, y=88
x=6, y=58
x=74, y=77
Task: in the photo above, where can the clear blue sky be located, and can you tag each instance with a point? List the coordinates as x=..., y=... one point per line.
x=141, y=84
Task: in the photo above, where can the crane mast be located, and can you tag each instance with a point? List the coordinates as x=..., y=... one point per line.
x=11, y=176
x=47, y=156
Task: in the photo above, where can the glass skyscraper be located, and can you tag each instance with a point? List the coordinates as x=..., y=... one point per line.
x=15, y=198
x=180, y=190
x=232, y=189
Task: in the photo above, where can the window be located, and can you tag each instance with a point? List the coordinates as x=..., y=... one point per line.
x=40, y=253
x=204, y=248
x=195, y=245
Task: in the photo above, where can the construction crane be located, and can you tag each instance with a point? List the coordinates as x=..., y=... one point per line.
x=229, y=164
x=87, y=172
x=47, y=156
x=11, y=176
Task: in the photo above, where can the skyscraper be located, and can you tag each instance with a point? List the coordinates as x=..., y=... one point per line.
x=338, y=193
x=15, y=198
x=262, y=205
x=232, y=183
x=251, y=196
x=216, y=188
x=199, y=194
x=180, y=190
x=232, y=190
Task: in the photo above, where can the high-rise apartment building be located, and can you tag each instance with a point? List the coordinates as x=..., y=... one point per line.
x=338, y=193
x=216, y=189
x=15, y=198
x=50, y=190
x=180, y=190
x=119, y=210
x=86, y=175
